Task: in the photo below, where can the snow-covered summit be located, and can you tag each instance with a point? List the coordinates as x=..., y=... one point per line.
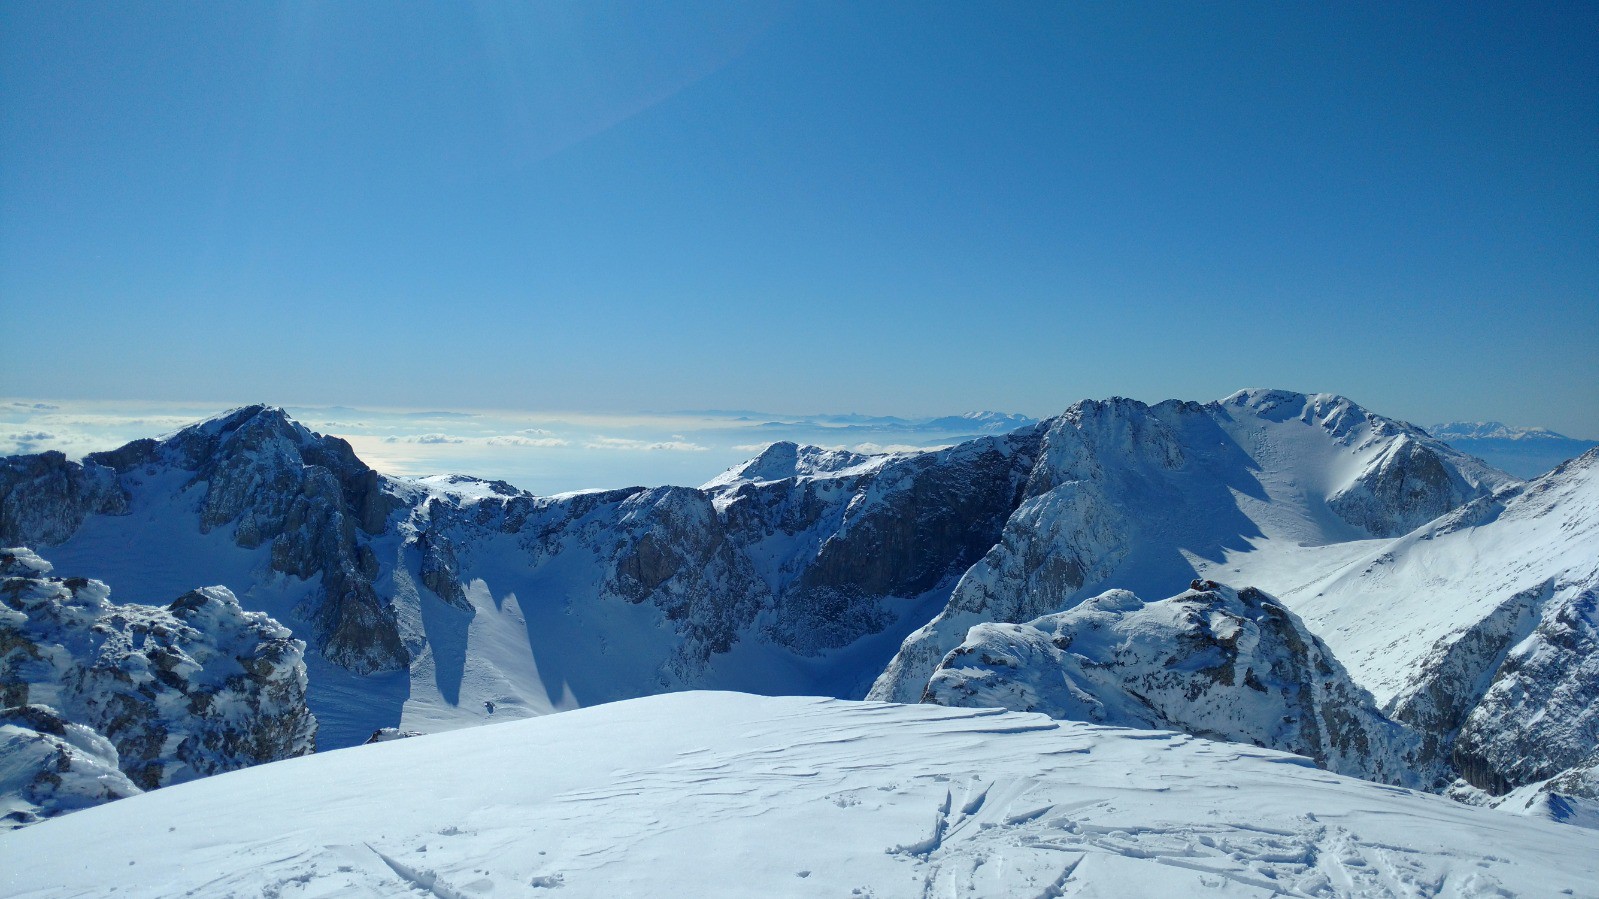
x=1128, y=495
x=986, y=422
x=784, y=459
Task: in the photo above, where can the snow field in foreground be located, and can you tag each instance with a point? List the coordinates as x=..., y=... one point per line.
x=724, y=794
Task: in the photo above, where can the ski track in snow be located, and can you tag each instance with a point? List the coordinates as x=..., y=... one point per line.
x=714, y=794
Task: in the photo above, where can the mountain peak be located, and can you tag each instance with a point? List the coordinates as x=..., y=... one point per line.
x=786, y=459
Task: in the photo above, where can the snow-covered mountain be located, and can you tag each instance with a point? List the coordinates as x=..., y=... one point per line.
x=101, y=700
x=1481, y=629
x=1524, y=452
x=1477, y=633
x=716, y=794
x=1138, y=497
x=811, y=571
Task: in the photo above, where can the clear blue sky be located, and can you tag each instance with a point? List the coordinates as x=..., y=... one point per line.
x=883, y=207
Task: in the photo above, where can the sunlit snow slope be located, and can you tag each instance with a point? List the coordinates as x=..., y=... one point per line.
x=715, y=794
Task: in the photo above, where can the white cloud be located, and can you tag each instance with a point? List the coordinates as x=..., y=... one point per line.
x=625, y=443
x=518, y=440
x=496, y=440
x=879, y=448
x=429, y=439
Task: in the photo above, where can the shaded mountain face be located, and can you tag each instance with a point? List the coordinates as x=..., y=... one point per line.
x=1218, y=663
x=158, y=694
x=800, y=571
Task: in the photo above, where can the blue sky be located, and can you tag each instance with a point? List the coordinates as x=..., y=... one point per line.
x=889, y=208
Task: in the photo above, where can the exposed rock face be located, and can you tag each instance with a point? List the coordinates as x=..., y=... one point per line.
x=44, y=498
x=1540, y=716
x=1451, y=681
x=1213, y=662
x=268, y=479
x=1406, y=486
x=440, y=571
x=192, y=689
x=802, y=549
x=50, y=766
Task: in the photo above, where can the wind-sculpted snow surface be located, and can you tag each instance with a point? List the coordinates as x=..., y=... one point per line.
x=1134, y=496
x=705, y=794
x=1213, y=662
x=191, y=689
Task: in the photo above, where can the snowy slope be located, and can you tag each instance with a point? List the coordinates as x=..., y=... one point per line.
x=1142, y=498
x=702, y=794
x=1482, y=625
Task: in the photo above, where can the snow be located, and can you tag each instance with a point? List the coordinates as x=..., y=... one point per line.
x=1389, y=602
x=720, y=794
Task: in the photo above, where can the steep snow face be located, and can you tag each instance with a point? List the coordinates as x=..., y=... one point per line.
x=50, y=766
x=1140, y=497
x=699, y=794
x=1212, y=662
x=1480, y=628
x=183, y=691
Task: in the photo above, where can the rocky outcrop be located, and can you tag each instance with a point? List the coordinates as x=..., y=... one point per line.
x=44, y=498
x=1540, y=715
x=50, y=766
x=194, y=688
x=1213, y=662
x=439, y=569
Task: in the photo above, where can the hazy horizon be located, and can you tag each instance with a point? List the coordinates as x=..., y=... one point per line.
x=542, y=452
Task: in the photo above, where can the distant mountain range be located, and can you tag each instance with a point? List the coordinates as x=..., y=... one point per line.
x=1456, y=657
x=1524, y=452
